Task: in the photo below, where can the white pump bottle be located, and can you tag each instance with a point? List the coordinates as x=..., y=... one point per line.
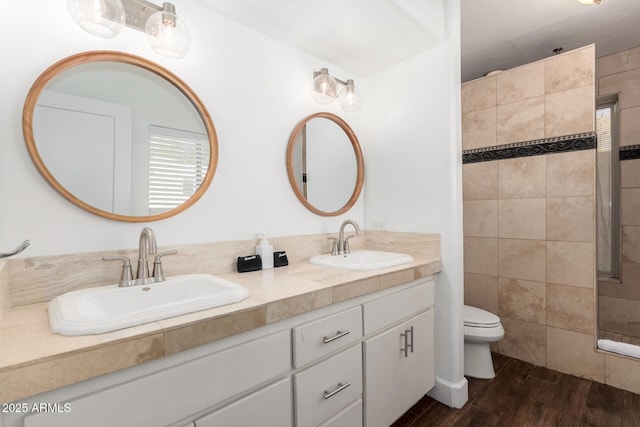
x=265, y=250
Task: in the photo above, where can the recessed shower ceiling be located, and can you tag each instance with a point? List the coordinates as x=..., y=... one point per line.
x=502, y=34
x=361, y=36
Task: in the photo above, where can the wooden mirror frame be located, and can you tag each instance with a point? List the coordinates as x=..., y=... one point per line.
x=359, y=163
x=103, y=56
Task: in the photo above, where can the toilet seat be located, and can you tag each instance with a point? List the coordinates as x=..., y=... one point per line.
x=478, y=318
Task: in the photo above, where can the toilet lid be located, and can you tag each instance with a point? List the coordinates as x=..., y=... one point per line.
x=479, y=318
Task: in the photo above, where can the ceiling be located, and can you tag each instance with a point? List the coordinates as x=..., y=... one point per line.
x=363, y=36
x=502, y=34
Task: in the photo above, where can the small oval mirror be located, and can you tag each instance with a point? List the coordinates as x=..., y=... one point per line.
x=325, y=164
x=120, y=136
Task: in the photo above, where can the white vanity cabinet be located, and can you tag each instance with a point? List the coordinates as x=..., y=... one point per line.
x=399, y=363
x=360, y=362
x=170, y=390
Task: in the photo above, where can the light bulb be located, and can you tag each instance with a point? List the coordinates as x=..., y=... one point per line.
x=102, y=18
x=349, y=97
x=325, y=87
x=167, y=34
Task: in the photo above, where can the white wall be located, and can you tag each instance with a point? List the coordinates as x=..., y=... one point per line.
x=414, y=161
x=255, y=89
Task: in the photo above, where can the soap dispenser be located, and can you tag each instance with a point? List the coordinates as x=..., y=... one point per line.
x=265, y=250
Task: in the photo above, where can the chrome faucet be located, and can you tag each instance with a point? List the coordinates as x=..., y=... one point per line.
x=343, y=244
x=147, y=244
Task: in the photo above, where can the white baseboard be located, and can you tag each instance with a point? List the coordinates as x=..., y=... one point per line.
x=451, y=394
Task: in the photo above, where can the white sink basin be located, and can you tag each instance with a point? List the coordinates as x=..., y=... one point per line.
x=107, y=308
x=362, y=260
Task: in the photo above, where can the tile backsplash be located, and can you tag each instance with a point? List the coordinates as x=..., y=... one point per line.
x=40, y=279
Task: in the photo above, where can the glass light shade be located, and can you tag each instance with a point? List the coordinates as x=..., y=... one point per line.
x=102, y=18
x=349, y=97
x=168, y=35
x=325, y=88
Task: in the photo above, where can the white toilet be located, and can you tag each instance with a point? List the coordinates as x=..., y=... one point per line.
x=481, y=328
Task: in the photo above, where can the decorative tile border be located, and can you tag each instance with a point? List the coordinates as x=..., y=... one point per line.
x=629, y=152
x=560, y=144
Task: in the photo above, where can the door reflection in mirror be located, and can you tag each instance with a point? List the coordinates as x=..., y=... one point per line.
x=326, y=167
x=91, y=122
x=325, y=164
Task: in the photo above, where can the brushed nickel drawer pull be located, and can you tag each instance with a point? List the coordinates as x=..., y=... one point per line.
x=407, y=345
x=405, y=337
x=341, y=387
x=339, y=334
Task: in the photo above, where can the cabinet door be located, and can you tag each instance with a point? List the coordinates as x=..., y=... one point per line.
x=395, y=379
x=418, y=369
x=269, y=407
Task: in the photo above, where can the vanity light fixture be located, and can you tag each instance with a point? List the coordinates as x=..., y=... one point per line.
x=325, y=90
x=166, y=33
x=102, y=18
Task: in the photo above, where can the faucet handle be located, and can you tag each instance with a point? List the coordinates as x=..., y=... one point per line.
x=126, y=278
x=346, y=248
x=158, y=273
x=334, y=246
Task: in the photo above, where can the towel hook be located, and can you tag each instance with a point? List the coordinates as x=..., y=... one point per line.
x=17, y=250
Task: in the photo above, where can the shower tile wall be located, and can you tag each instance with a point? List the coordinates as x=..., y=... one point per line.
x=619, y=303
x=529, y=222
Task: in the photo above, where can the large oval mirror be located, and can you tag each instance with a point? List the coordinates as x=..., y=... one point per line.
x=325, y=164
x=120, y=136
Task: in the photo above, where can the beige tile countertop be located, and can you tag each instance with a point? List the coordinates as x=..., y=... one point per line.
x=34, y=360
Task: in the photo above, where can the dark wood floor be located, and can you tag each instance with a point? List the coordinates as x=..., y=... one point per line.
x=522, y=394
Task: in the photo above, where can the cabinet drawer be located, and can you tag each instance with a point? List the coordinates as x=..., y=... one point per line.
x=351, y=416
x=392, y=308
x=323, y=336
x=325, y=388
x=167, y=396
x=269, y=406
